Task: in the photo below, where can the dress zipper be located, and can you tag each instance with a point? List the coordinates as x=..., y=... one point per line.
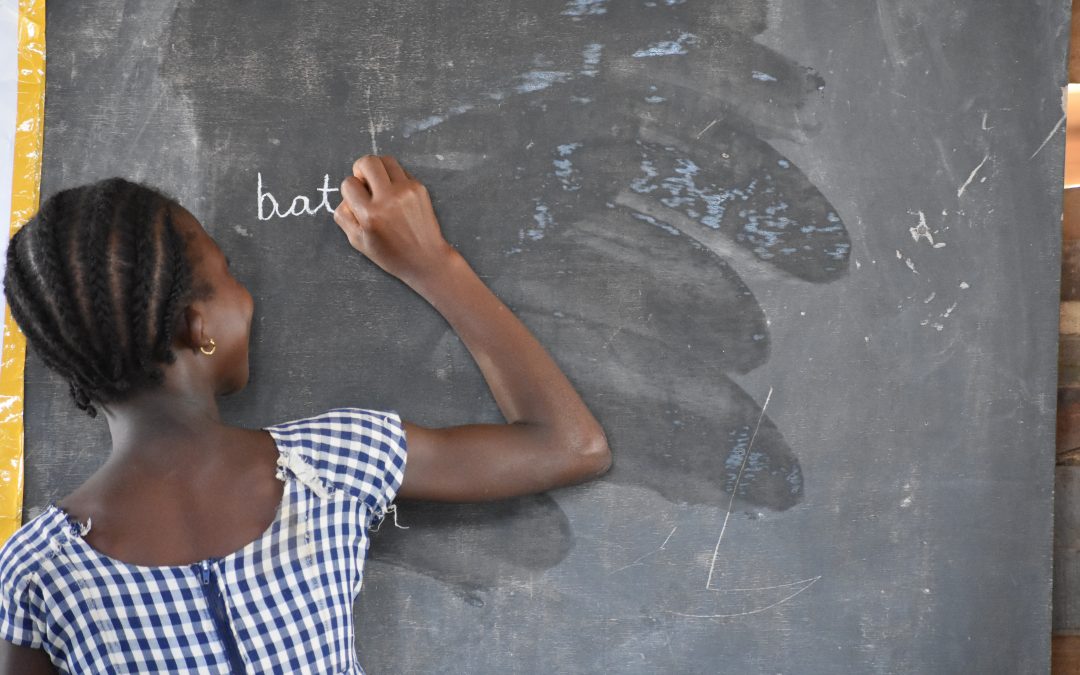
x=214, y=596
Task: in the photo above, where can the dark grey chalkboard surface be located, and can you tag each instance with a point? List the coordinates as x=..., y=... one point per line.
x=835, y=223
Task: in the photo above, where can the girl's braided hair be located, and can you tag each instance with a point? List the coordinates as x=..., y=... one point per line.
x=97, y=280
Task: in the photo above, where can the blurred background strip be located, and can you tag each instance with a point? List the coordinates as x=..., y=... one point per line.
x=22, y=99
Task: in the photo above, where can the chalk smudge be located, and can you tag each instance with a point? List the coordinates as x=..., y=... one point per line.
x=579, y=8
x=668, y=47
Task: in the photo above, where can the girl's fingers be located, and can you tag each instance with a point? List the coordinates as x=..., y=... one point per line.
x=356, y=191
x=370, y=168
x=393, y=169
x=345, y=218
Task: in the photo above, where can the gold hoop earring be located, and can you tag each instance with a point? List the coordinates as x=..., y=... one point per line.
x=213, y=347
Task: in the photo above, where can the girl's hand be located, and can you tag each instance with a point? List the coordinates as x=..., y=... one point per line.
x=387, y=216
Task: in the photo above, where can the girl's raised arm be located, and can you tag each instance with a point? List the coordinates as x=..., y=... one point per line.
x=550, y=438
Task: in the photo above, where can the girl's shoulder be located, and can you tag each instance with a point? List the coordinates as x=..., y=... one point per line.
x=22, y=604
x=360, y=451
x=23, y=551
x=340, y=420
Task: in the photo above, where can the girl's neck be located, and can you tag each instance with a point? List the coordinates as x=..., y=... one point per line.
x=163, y=428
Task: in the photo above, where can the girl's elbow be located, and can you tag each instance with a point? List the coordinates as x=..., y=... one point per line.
x=593, y=455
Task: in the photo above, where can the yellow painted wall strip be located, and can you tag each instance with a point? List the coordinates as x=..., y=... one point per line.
x=25, y=196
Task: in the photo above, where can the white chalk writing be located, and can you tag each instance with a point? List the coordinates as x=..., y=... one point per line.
x=269, y=207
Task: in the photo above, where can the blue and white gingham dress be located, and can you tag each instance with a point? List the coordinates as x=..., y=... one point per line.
x=281, y=604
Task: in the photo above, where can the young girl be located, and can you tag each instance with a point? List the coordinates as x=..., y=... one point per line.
x=198, y=546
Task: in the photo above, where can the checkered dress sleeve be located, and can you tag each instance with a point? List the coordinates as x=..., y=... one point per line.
x=22, y=606
x=360, y=451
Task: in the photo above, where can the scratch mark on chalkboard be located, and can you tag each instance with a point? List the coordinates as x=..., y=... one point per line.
x=945, y=158
x=607, y=342
x=707, y=127
x=637, y=561
x=1048, y=137
x=971, y=177
x=734, y=490
x=789, y=584
x=888, y=35
x=808, y=583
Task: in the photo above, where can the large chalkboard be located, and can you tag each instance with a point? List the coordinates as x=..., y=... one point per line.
x=800, y=258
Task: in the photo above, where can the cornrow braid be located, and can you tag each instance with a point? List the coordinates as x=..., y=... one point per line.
x=95, y=239
x=125, y=278
x=97, y=280
x=41, y=254
x=179, y=278
x=142, y=284
x=42, y=333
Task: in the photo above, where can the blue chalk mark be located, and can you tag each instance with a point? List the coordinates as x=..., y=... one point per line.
x=653, y=221
x=564, y=169
x=535, y=80
x=584, y=8
x=762, y=77
x=762, y=220
x=683, y=191
x=410, y=128
x=591, y=58
x=592, y=53
x=838, y=251
x=543, y=219
x=641, y=185
x=668, y=47
x=740, y=476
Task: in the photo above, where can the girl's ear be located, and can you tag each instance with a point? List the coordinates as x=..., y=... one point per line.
x=190, y=335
